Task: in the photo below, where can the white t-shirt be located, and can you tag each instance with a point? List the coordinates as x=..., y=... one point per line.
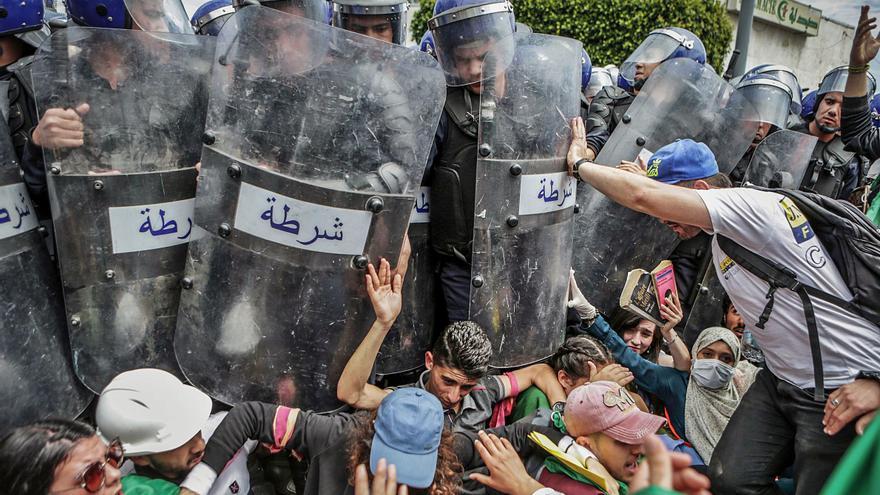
x=771, y=225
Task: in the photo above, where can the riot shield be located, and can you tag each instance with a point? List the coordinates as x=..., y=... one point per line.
x=525, y=199
x=780, y=160
x=316, y=143
x=413, y=332
x=36, y=377
x=682, y=99
x=122, y=201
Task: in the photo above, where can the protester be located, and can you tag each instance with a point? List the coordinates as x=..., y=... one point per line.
x=406, y=431
x=457, y=365
x=601, y=428
x=753, y=358
x=697, y=403
x=59, y=456
x=643, y=336
x=580, y=359
x=782, y=404
x=161, y=423
x=857, y=130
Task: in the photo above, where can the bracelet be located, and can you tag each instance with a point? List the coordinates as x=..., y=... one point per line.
x=577, y=167
x=670, y=342
x=858, y=69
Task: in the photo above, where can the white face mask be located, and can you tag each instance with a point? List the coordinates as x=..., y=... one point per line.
x=711, y=373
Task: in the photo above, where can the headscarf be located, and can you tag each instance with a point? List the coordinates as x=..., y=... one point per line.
x=706, y=412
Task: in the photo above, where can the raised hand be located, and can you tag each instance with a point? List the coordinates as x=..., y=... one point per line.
x=384, y=289
x=865, y=45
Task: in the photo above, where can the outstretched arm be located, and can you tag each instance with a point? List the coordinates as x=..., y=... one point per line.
x=672, y=313
x=539, y=375
x=856, y=130
x=384, y=290
x=663, y=201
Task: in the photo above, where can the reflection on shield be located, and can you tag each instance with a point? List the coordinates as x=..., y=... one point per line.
x=315, y=148
x=682, y=99
x=524, y=198
x=780, y=160
x=122, y=203
x=36, y=376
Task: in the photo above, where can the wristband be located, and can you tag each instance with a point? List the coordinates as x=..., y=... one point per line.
x=670, y=342
x=577, y=167
x=858, y=69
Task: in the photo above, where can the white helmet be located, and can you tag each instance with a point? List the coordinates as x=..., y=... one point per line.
x=150, y=411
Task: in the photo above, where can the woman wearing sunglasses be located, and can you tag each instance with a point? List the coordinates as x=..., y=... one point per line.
x=59, y=457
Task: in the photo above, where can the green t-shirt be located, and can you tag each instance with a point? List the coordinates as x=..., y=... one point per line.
x=134, y=484
x=527, y=402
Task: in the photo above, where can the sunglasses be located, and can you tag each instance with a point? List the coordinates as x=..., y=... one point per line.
x=93, y=477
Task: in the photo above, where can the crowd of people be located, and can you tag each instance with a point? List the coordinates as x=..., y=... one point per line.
x=767, y=396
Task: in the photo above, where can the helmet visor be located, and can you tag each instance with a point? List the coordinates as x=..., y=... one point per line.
x=656, y=48
x=385, y=23
x=158, y=16
x=464, y=36
x=773, y=102
x=790, y=80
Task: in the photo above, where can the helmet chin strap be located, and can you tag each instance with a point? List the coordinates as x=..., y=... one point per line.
x=638, y=83
x=828, y=130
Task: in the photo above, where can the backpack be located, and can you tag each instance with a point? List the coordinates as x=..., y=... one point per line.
x=852, y=243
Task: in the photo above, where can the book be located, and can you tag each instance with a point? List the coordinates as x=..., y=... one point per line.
x=644, y=291
x=664, y=281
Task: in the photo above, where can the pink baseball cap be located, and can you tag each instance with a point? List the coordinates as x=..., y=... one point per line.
x=606, y=407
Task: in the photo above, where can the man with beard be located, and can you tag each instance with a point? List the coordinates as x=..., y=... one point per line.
x=161, y=423
x=611, y=102
x=834, y=170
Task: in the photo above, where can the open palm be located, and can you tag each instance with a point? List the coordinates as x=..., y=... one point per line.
x=865, y=46
x=385, y=291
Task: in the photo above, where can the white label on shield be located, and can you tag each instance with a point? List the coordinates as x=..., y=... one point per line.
x=16, y=211
x=156, y=226
x=422, y=209
x=545, y=193
x=313, y=227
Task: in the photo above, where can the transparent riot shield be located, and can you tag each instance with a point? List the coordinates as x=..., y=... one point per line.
x=682, y=99
x=780, y=160
x=36, y=376
x=413, y=332
x=316, y=142
x=525, y=199
x=123, y=198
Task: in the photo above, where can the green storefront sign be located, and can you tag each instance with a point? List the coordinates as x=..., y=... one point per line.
x=785, y=13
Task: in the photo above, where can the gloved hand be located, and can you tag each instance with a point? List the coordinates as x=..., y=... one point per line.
x=577, y=300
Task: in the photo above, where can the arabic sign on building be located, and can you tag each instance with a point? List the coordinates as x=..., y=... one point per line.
x=785, y=13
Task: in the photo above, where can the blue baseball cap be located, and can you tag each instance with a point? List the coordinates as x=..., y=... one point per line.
x=684, y=159
x=408, y=426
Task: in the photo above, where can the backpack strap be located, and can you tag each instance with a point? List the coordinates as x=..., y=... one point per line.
x=782, y=277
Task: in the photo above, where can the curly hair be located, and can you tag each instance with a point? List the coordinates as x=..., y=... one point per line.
x=574, y=354
x=447, y=477
x=464, y=346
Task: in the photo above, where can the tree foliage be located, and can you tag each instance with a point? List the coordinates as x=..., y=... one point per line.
x=611, y=29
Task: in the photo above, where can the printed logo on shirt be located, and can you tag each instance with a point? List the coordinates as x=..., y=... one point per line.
x=814, y=257
x=800, y=227
x=654, y=168
x=726, y=264
x=234, y=488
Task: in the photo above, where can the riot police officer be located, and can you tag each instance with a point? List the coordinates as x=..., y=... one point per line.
x=210, y=17
x=610, y=104
x=834, y=171
x=22, y=29
x=773, y=100
x=384, y=20
x=461, y=42
x=318, y=11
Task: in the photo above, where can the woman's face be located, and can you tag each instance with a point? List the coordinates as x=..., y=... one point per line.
x=69, y=474
x=640, y=337
x=717, y=350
